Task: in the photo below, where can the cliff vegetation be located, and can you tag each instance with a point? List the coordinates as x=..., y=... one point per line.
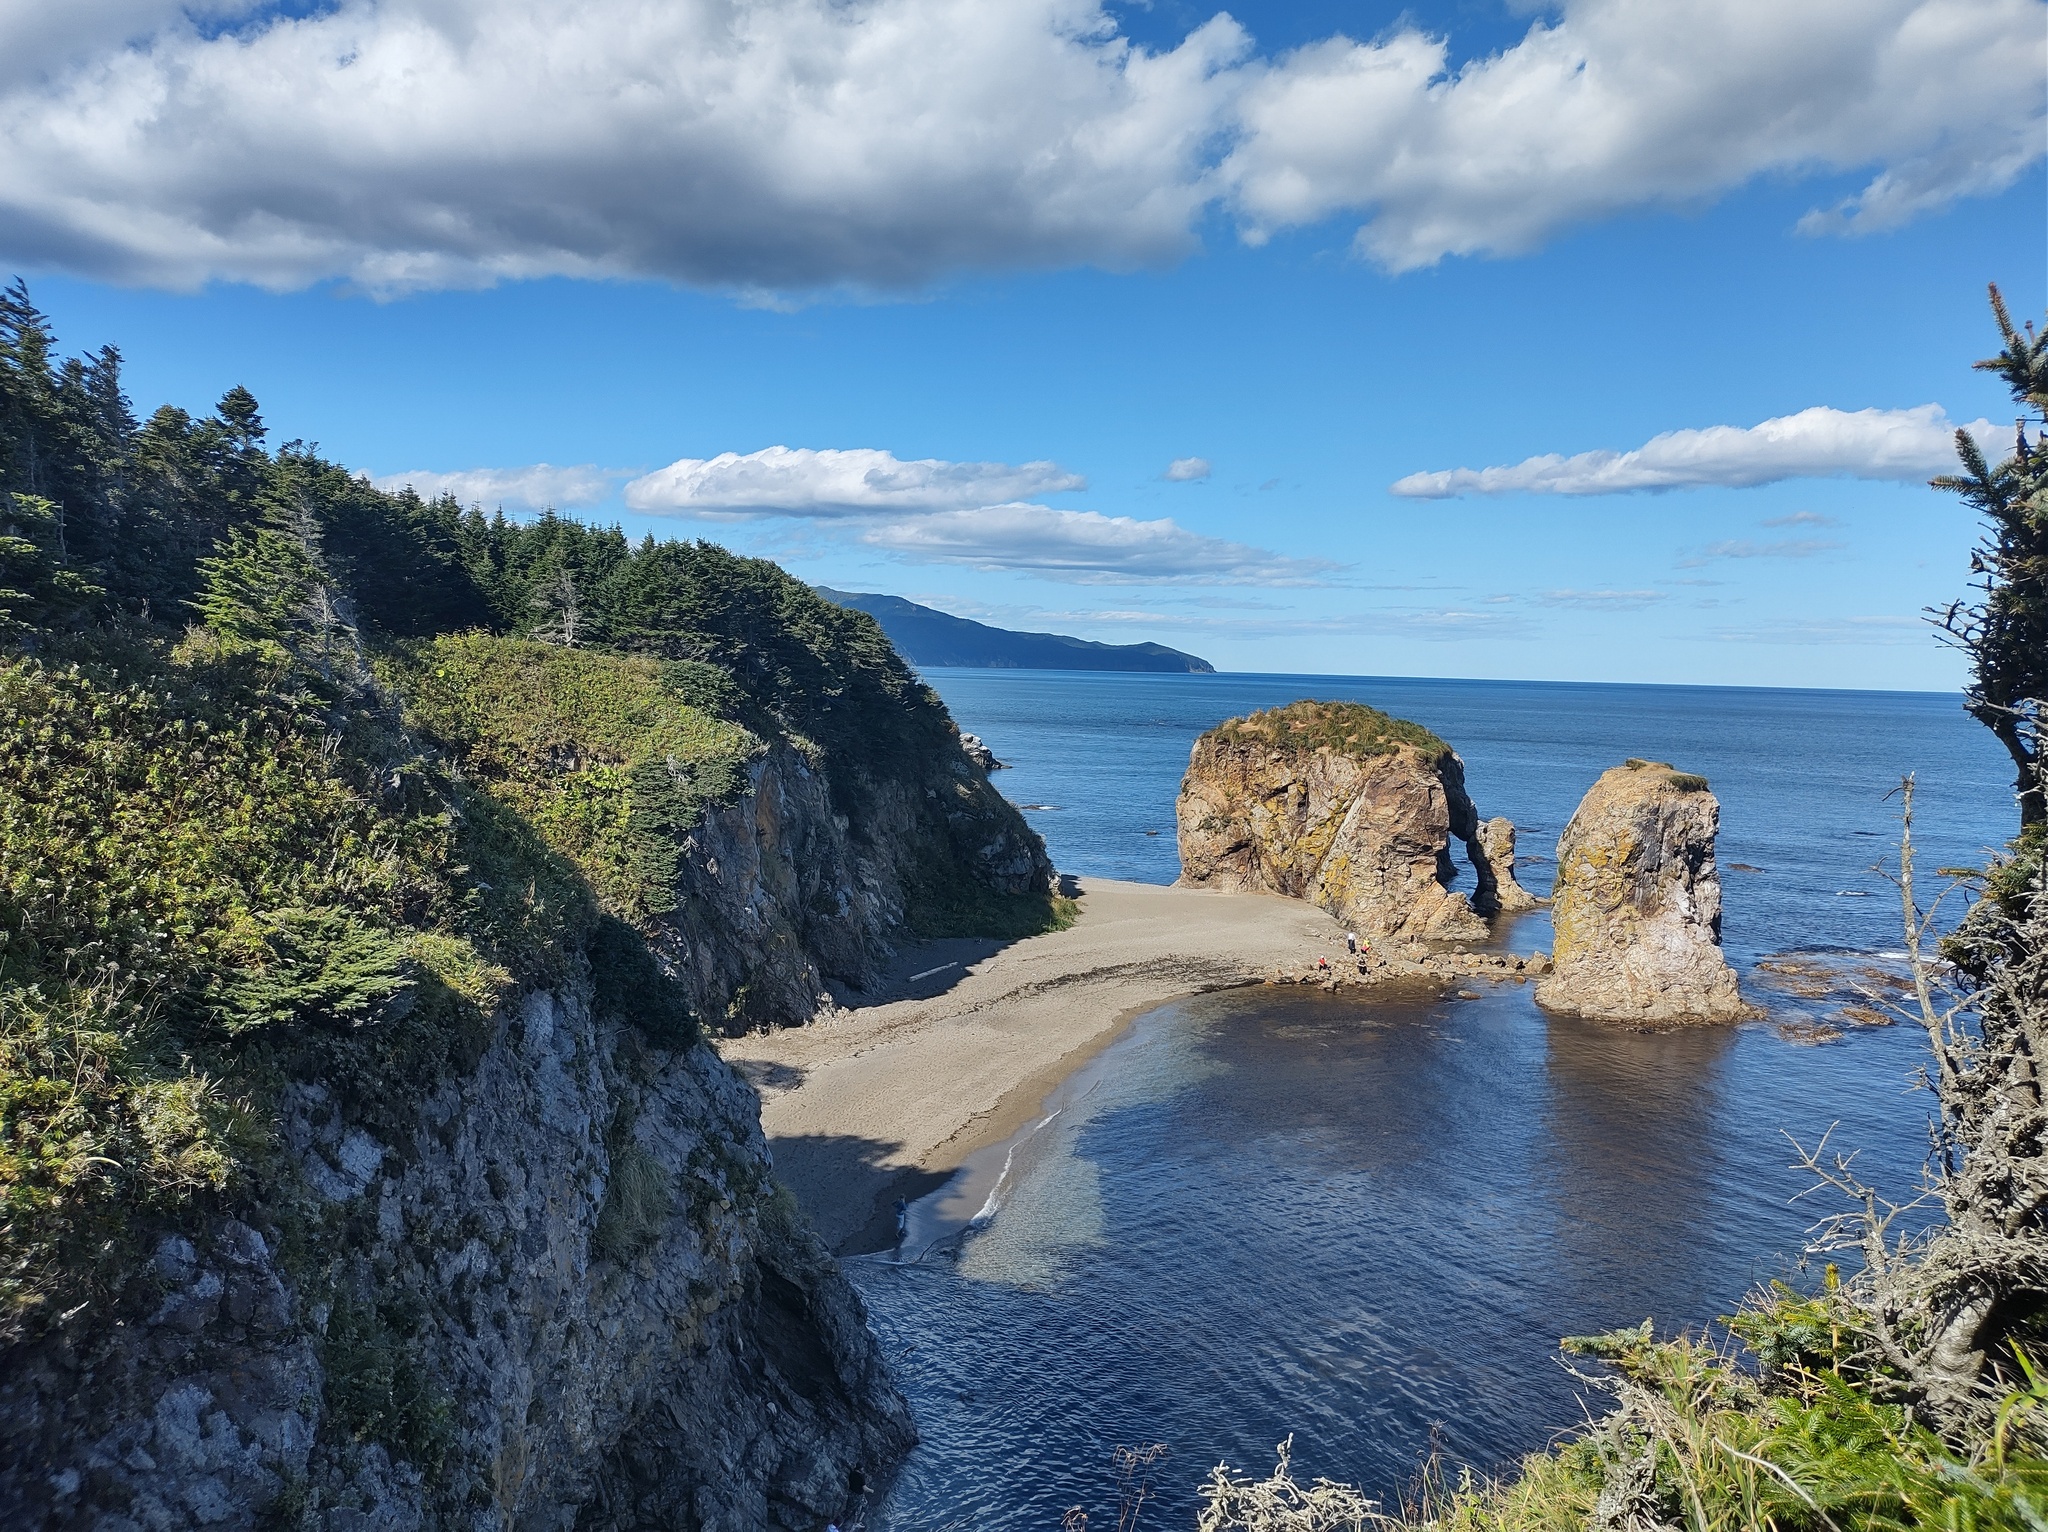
x=369, y=871
x=1346, y=728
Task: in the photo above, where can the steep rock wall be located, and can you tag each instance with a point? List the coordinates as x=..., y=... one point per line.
x=1365, y=834
x=560, y=1292
x=1637, y=906
x=783, y=899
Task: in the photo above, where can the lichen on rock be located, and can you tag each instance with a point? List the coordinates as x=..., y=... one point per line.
x=1342, y=805
x=1637, y=906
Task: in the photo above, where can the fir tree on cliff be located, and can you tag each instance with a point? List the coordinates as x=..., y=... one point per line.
x=2005, y=632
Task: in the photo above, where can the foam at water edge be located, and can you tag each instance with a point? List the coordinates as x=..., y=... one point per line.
x=990, y=1207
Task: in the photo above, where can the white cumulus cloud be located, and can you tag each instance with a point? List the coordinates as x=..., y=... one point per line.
x=1088, y=548
x=529, y=488
x=1900, y=445
x=1186, y=470
x=791, y=145
x=861, y=481
x=1620, y=104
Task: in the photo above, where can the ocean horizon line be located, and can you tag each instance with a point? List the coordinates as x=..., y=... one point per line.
x=1205, y=677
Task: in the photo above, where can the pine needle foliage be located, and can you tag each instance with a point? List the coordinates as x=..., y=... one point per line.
x=37, y=590
x=2004, y=630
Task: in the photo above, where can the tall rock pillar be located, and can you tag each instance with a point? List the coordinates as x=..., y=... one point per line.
x=1637, y=905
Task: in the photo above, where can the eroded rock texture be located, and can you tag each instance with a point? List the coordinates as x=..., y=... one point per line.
x=563, y=1292
x=1497, y=842
x=1637, y=906
x=794, y=894
x=1341, y=805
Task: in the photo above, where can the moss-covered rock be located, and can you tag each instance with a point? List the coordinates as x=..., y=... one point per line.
x=1342, y=805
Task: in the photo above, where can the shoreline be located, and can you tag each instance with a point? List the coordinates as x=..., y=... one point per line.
x=965, y=1039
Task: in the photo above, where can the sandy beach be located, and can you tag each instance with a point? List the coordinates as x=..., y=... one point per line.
x=965, y=1038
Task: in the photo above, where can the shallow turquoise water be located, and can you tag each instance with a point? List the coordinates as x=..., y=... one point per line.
x=1366, y=1224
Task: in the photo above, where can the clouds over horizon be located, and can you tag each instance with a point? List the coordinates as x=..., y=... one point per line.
x=1089, y=548
x=1903, y=446
x=831, y=482
x=532, y=488
x=795, y=145
x=924, y=510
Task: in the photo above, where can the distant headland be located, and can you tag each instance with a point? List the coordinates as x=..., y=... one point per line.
x=926, y=636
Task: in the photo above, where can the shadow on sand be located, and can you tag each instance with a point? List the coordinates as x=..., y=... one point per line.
x=849, y=1188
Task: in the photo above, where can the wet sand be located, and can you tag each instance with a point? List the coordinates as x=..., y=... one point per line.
x=966, y=1037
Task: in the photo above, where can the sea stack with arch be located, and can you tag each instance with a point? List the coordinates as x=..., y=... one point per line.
x=1344, y=806
x=1637, y=906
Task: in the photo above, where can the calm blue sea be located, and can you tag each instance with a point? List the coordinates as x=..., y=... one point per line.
x=1366, y=1224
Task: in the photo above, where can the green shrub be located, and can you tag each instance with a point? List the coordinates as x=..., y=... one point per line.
x=1345, y=728
x=607, y=761
x=103, y=1122
x=944, y=902
x=185, y=868
x=377, y=1384
x=1786, y=1431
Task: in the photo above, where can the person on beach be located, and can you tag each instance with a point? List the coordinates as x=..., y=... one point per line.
x=1351, y=942
x=902, y=1220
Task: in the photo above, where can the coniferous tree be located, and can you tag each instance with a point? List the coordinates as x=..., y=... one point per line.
x=268, y=592
x=2005, y=632
x=37, y=590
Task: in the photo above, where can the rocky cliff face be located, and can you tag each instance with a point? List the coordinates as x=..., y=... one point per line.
x=783, y=899
x=1343, y=806
x=561, y=1292
x=548, y=1282
x=1637, y=905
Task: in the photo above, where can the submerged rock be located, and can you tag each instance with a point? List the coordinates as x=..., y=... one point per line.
x=1637, y=906
x=1497, y=840
x=1343, y=806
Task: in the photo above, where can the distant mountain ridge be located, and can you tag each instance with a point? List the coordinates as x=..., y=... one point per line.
x=926, y=636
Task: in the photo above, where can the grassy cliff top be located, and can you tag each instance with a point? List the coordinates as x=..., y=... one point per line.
x=1345, y=728
x=599, y=752
x=1665, y=772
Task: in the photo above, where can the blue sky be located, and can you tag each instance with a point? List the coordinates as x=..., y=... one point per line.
x=1674, y=243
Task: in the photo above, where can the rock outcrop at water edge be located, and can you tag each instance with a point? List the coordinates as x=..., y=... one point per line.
x=1343, y=806
x=1637, y=906
x=978, y=752
x=1497, y=841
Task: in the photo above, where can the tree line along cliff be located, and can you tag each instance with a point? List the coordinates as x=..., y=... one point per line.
x=370, y=871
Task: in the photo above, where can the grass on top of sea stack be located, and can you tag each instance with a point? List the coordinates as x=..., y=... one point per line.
x=1345, y=728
